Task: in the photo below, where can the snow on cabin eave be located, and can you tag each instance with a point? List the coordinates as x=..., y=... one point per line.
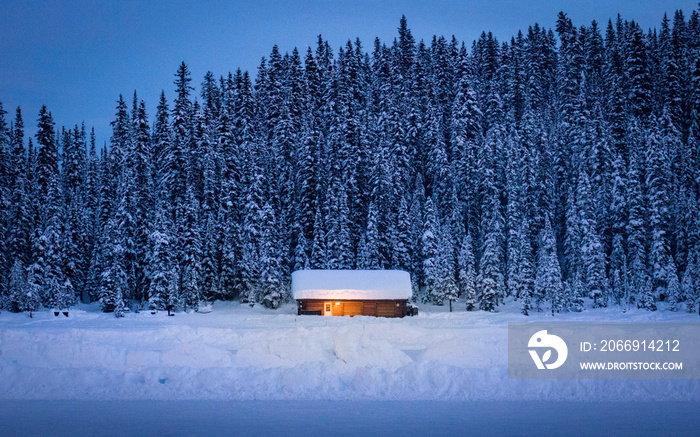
x=351, y=285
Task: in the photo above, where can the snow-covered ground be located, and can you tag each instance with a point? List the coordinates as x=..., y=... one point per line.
x=240, y=353
x=250, y=371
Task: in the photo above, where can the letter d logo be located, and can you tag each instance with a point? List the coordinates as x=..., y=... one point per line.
x=543, y=340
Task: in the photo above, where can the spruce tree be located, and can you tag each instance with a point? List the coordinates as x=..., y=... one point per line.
x=271, y=286
x=548, y=280
x=674, y=291
x=490, y=277
x=467, y=273
x=189, y=242
x=47, y=154
x=690, y=285
x=526, y=286
x=430, y=241
x=160, y=263
x=657, y=181
x=449, y=289
x=32, y=292
x=16, y=297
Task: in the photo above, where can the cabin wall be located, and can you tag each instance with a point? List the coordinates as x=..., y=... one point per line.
x=353, y=308
x=337, y=308
x=314, y=305
x=377, y=308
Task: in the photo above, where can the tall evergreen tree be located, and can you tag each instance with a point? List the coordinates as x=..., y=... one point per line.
x=548, y=280
x=47, y=156
x=467, y=273
x=430, y=241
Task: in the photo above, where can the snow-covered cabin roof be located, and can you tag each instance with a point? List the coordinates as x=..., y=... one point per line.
x=351, y=284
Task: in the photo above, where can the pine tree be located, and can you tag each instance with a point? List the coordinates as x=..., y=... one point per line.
x=402, y=243
x=674, y=291
x=179, y=156
x=318, y=249
x=525, y=285
x=230, y=279
x=189, y=241
x=415, y=230
x=338, y=239
x=161, y=267
x=639, y=279
x=141, y=159
x=490, y=277
x=251, y=234
x=271, y=286
x=467, y=273
x=638, y=74
x=161, y=147
x=19, y=219
x=449, y=286
x=548, y=279
x=32, y=291
x=5, y=177
x=57, y=287
x=306, y=184
x=211, y=260
x=592, y=255
x=369, y=256
x=47, y=155
x=491, y=274
x=301, y=259
x=690, y=285
x=430, y=241
x=113, y=281
x=657, y=180
x=619, y=210
x=15, y=300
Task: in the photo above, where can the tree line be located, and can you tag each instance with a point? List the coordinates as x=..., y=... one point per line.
x=560, y=165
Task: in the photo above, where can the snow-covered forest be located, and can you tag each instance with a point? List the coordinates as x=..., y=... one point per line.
x=559, y=166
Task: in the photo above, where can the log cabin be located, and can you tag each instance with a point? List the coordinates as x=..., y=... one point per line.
x=380, y=293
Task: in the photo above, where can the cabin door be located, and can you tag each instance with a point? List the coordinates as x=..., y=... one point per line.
x=327, y=308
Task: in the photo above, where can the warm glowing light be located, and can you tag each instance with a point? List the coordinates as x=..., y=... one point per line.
x=337, y=303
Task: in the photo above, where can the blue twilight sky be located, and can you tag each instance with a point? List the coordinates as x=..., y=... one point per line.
x=77, y=56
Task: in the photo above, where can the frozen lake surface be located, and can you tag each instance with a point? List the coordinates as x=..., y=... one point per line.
x=346, y=418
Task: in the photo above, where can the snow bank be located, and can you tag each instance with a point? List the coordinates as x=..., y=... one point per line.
x=351, y=284
x=239, y=353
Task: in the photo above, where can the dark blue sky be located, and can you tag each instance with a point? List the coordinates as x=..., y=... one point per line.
x=77, y=56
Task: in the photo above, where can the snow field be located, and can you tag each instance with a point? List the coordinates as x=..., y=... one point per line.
x=239, y=353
